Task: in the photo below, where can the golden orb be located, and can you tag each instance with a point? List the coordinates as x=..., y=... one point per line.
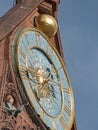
x=47, y=24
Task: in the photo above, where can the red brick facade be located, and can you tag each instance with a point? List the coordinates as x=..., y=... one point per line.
x=20, y=16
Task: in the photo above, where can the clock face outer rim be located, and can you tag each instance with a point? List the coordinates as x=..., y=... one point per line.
x=15, y=65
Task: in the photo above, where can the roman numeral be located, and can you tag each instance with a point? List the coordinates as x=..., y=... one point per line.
x=66, y=90
x=63, y=122
x=42, y=113
x=47, y=48
x=54, y=125
x=26, y=36
x=68, y=102
x=67, y=110
x=23, y=71
x=37, y=38
x=51, y=52
x=21, y=52
x=24, y=44
x=22, y=60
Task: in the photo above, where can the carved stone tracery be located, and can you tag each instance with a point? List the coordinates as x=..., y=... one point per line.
x=7, y=120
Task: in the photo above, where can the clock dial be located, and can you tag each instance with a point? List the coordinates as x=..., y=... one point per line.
x=44, y=78
x=44, y=82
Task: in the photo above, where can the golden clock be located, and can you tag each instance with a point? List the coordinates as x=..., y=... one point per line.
x=44, y=79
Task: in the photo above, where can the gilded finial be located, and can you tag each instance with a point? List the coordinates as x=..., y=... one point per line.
x=47, y=24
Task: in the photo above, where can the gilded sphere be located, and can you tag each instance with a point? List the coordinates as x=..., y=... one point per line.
x=47, y=24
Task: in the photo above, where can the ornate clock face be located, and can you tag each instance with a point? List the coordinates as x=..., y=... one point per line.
x=44, y=78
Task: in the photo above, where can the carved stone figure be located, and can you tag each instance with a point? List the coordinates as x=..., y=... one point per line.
x=8, y=105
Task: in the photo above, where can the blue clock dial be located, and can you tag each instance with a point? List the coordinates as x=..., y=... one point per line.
x=44, y=79
x=44, y=82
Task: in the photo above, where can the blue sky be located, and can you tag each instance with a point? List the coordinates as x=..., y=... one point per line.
x=78, y=23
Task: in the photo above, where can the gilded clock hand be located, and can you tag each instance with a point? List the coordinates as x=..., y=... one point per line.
x=43, y=90
x=34, y=71
x=25, y=73
x=52, y=89
x=55, y=83
x=33, y=80
x=45, y=82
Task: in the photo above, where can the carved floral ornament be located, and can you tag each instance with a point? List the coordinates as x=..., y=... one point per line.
x=9, y=93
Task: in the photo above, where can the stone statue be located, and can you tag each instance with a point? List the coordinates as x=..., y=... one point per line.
x=8, y=105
